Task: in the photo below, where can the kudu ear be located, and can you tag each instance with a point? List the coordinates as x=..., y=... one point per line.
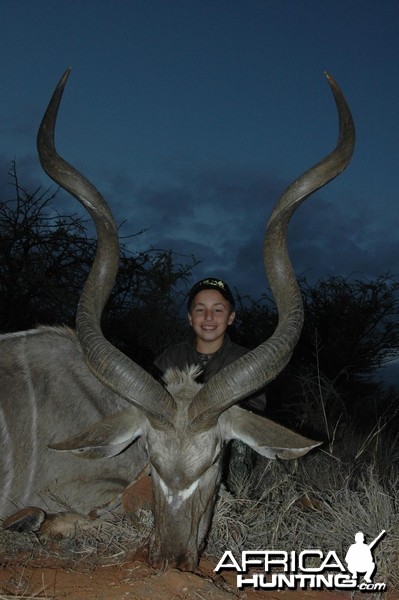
x=262, y=435
x=107, y=437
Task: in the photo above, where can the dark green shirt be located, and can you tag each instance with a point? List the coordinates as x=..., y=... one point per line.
x=183, y=355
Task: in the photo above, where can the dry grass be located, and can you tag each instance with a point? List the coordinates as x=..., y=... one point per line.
x=321, y=505
x=320, y=502
x=106, y=542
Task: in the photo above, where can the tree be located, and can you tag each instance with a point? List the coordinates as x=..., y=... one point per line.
x=144, y=314
x=352, y=325
x=255, y=320
x=45, y=258
x=351, y=329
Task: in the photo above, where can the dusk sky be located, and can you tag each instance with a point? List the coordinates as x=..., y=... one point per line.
x=192, y=117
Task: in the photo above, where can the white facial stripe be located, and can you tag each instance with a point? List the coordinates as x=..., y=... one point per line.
x=177, y=498
x=184, y=494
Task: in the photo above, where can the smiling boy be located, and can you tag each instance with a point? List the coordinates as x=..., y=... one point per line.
x=210, y=312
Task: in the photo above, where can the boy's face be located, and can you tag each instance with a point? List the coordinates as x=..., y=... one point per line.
x=209, y=316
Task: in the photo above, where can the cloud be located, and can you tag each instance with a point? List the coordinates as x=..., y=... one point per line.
x=218, y=214
x=350, y=235
x=211, y=213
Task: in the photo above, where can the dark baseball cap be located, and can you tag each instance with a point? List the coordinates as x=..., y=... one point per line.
x=211, y=283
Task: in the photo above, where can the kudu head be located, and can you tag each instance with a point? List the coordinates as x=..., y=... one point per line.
x=185, y=424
